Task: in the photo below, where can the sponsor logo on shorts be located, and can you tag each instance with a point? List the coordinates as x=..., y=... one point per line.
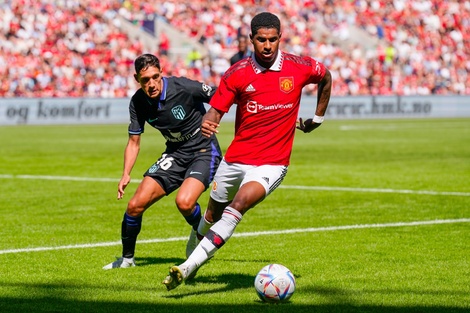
x=153, y=168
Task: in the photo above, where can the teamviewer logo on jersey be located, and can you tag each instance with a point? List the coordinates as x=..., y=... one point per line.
x=252, y=106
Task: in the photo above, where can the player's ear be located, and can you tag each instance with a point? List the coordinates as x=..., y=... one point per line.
x=136, y=77
x=251, y=38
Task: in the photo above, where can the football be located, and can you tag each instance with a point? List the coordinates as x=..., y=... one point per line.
x=275, y=283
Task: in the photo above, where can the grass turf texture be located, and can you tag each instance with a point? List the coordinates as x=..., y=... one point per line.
x=421, y=268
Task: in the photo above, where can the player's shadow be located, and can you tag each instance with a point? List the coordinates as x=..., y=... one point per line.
x=229, y=281
x=146, y=261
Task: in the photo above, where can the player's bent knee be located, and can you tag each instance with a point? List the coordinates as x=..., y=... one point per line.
x=184, y=209
x=134, y=209
x=184, y=205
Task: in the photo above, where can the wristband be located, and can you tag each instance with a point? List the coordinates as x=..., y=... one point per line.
x=318, y=119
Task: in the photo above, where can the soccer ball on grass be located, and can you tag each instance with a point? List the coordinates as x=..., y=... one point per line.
x=275, y=283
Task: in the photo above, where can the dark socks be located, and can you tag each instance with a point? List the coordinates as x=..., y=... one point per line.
x=129, y=231
x=195, y=217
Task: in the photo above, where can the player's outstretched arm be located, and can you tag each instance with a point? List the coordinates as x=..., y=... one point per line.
x=130, y=156
x=210, y=122
x=308, y=125
x=323, y=95
x=323, y=98
x=125, y=180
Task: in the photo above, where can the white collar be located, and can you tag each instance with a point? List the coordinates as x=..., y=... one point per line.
x=277, y=65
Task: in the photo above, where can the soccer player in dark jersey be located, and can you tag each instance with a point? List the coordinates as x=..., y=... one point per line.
x=267, y=88
x=174, y=106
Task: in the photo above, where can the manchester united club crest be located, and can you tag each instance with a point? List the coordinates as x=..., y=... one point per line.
x=286, y=84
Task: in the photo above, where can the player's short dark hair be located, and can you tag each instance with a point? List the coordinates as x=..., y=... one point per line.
x=146, y=60
x=265, y=20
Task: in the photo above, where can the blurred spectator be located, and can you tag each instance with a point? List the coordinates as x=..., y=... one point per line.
x=243, y=50
x=163, y=44
x=75, y=48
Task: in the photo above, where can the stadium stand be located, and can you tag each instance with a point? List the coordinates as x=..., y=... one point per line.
x=75, y=48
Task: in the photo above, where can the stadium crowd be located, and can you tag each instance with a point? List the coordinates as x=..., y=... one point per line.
x=75, y=48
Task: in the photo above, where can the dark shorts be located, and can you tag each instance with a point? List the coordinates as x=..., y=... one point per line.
x=173, y=168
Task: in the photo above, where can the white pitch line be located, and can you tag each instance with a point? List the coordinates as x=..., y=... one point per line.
x=325, y=188
x=247, y=234
x=380, y=190
x=67, y=178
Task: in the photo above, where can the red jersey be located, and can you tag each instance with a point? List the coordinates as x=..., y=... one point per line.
x=268, y=102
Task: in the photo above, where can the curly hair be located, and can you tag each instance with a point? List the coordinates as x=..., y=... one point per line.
x=265, y=20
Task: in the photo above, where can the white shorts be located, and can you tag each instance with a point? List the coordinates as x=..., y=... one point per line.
x=231, y=176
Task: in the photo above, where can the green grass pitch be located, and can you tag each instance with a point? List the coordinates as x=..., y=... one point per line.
x=373, y=216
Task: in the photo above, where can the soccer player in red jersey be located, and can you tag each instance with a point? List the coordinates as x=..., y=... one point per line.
x=267, y=88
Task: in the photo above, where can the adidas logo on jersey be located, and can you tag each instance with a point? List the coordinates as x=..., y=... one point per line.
x=250, y=88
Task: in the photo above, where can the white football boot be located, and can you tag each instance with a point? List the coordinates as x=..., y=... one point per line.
x=192, y=243
x=120, y=263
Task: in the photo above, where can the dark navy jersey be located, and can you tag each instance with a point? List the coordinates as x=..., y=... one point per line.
x=177, y=114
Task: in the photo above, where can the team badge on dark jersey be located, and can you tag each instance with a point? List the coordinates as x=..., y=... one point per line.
x=178, y=112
